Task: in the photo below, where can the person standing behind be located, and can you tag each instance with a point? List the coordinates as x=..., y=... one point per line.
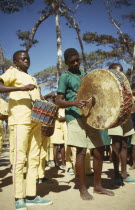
x=22, y=89
x=41, y=177
x=119, y=137
x=133, y=143
x=58, y=138
x=80, y=135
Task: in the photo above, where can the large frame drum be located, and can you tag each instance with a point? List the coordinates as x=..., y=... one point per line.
x=111, y=96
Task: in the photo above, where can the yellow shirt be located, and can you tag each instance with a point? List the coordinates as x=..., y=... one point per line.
x=61, y=113
x=20, y=102
x=1, y=124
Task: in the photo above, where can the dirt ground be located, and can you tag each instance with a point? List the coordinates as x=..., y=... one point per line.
x=64, y=190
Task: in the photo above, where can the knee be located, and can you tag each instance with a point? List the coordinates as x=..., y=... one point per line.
x=99, y=153
x=81, y=152
x=124, y=146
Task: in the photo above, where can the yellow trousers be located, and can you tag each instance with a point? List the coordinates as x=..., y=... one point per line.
x=50, y=151
x=1, y=138
x=42, y=157
x=12, y=143
x=27, y=145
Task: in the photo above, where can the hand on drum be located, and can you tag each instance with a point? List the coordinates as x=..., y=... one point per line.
x=81, y=103
x=28, y=87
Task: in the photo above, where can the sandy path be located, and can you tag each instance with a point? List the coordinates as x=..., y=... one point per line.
x=64, y=191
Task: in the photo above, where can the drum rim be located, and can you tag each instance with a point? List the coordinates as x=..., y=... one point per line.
x=119, y=88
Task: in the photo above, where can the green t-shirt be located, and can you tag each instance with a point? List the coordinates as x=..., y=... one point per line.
x=68, y=85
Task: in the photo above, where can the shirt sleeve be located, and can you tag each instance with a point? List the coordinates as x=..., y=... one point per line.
x=8, y=77
x=62, y=84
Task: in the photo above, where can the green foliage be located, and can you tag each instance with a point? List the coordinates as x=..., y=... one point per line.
x=48, y=76
x=130, y=17
x=8, y=63
x=83, y=1
x=121, y=48
x=13, y=5
x=24, y=36
x=119, y=3
x=93, y=37
x=96, y=59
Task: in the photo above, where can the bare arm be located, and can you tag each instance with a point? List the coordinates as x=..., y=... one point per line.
x=64, y=104
x=6, y=89
x=49, y=95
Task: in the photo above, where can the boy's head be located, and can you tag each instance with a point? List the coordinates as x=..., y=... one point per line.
x=72, y=59
x=22, y=60
x=116, y=66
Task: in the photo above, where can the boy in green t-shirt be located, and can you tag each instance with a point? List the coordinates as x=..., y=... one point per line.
x=80, y=135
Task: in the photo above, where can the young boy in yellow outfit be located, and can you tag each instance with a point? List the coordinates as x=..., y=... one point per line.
x=22, y=89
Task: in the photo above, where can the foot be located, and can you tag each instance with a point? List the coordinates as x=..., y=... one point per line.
x=132, y=167
x=70, y=171
x=51, y=163
x=44, y=180
x=118, y=182
x=84, y=194
x=104, y=191
x=63, y=167
x=90, y=174
x=129, y=180
x=38, y=200
x=11, y=168
x=20, y=204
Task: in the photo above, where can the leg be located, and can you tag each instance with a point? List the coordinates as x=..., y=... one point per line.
x=80, y=170
x=133, y=157
x=42, y=157
x=62, y=149
x=123, y=157
x=110, y=154
x=68, y=157
x=34, y=145
x=12, y=143
x=55, y=153
x=88, y=170
x=21, y=134
x=97, y=166
x=1, y=138
x=116, y=154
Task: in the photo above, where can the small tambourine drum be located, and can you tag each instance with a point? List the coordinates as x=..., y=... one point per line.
x=110, y=98
x=47, y=130
x=44, y=112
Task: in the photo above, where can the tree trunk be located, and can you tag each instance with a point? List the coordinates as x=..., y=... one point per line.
x=2, y=61
x=59, y=49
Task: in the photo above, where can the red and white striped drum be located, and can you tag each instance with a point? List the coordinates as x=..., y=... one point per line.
x=111, y=96
x=44, y=112
x=47, y=130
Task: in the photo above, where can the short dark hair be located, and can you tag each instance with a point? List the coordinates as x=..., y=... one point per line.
x=18, y=52
x=114, y=66
x=69, y=53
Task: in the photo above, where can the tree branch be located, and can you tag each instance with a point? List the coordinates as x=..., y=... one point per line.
x=34, y=29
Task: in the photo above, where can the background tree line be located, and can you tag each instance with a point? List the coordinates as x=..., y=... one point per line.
x=121, y=46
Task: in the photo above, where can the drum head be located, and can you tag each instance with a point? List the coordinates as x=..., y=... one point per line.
x=106, y=93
